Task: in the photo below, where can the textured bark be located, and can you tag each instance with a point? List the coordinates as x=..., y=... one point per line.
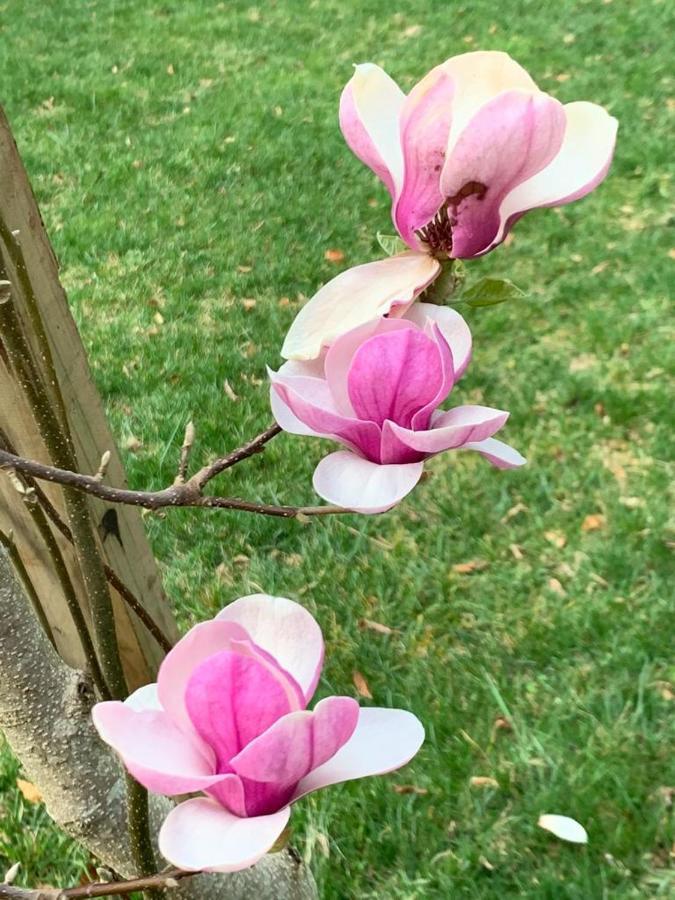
x=45, y=716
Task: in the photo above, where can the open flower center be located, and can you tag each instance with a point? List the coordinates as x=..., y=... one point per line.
x=437, y=234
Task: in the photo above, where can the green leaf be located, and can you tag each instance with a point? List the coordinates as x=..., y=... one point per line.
x=490, y=292
x=391, y=243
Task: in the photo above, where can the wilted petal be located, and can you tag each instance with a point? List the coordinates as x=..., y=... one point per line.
x=425, y=126
x=355, y=483
x=452, y=326
x=498, y=453
x=286, y=630
x=158, y=754
x=452, y=429
x=581, y=164
x=369, y=118
x=509, y=140
x=231, y=699
x=299, y=742
x=564, y=827
x=384, y=740
x=356, y=296
x=199, y=835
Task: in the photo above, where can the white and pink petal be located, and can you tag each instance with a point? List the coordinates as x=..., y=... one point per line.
x=355, y=483
x=498, y=453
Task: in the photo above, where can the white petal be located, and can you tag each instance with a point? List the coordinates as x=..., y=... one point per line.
x=384, y=740
x=349, y=481
x=200, y=835
x=356, y=296
x=498, y=453
x=145, y=697
x=564, y=827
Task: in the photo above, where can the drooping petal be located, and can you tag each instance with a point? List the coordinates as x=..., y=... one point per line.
x=393, y=375
x=299, y=742
x=480, y=76
x=581, y=164
x=199, y=835
x=231, y=699
x=384, y=740
x=201, y=642
x=356, y=296
x=498, y=453
x=425, y=126
x=355, y=483
x=159, y=755
x=369, y=115
x=509, y=140
x=453, y=327
x=452, y=429
x=310, y=401
x=286, y=630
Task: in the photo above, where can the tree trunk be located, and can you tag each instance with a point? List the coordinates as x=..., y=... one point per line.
x=45, y=713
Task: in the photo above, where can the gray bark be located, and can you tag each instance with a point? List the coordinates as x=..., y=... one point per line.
x=45, y=715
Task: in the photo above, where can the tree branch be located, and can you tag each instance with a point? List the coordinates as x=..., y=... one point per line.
x=163, y=880
x=187, y=494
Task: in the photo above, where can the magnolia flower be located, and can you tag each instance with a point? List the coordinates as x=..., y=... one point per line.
x=228, y=717
x=471, y=148
x=377, y=391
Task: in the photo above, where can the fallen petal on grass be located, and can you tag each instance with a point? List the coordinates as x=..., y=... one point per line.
x=564, y=827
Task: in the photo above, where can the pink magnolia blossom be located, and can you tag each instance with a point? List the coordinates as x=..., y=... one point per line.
x=471, y=148
x=228, y=718
x=377, y=390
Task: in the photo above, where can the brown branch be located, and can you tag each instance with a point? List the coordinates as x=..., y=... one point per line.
x=161, y=881
x=189, y=494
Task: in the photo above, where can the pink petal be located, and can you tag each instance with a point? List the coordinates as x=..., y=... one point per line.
x=199, y=835
x=231, y=699
x=356, y=296
x=299, y=742
x=509, y=140
x=453, y=328
x=355, y=483
x=393, y=375
x=452, y=429
x=310, y=401
x=480, y=76
x=581, y=164
x=498, y=453
x=425, y=126
x=285, y=630
x=369, y=116
x=384, y=740
x=146, y=697
x=201, y=642
x=445, y=383
x=230, y=793
x=158, y=754
x=340, y=355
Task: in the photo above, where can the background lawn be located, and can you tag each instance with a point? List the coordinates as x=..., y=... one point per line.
x=188, y=163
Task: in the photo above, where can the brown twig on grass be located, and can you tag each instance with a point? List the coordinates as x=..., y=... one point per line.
x=161, y=881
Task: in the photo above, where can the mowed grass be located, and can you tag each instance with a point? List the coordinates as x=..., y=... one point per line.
x=187, y=160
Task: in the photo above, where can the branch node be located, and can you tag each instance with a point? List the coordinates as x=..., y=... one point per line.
x=103, y=466
x=185, y=450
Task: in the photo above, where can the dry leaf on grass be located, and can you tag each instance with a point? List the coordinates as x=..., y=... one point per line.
x=467, y=568
x=334, y=256
x=593, y=522
x=30, y=793
x=409, y=789
x=483, y=781
x=361, y=686
x=378, y=627
x=557, y=538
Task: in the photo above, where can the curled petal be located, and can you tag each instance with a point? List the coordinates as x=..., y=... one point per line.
x=182, y=765
x=299, y=742
x=369, y=114
x=384, y=740
x=453, y=429
x=285, y=630
x=581, y=164
x=355, y=483
x=425, y=126
x=199, y=835
x=356, y=296
x=453, y=328
x=509, y=140
x=498, y=453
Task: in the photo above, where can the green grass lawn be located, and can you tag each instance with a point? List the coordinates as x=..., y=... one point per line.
x=187, y=159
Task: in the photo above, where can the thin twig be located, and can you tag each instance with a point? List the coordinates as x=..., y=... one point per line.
x=185, y=450
x=161, y=881
x=189, y=494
